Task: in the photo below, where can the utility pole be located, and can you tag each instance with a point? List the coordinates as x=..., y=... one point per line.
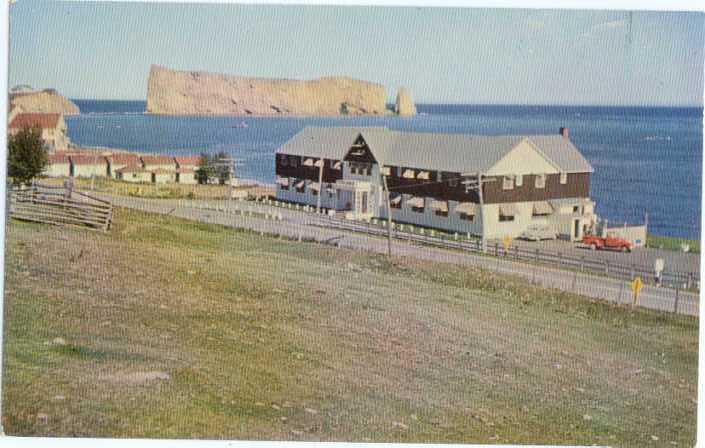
x=320, y=185
x=477, y=185
x=229, y=162
x=389, y=216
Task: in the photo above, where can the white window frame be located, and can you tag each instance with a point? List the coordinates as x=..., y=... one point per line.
x=540, y=181
x=564, y=178
x=507, y=183
x=518, y=180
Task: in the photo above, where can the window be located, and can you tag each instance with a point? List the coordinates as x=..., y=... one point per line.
x=505, y=218
x=453, y=181
x=507, y=183
x=417, y=209
x=519, y=180
x=294, y=161
x=540, y=181
x=576, y=209
x=466, y=217
x=442, y=213
x=564, y=178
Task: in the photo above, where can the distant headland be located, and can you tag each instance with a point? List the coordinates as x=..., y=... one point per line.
x=172, y=92
x=47, y=101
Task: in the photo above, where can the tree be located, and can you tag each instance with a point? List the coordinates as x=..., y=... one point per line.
x=222, y=167
x=205, y=169
x=27, y=155
x=213, y=168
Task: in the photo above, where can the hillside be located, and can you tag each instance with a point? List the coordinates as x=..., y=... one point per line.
x=168, y=328
x=197, y=93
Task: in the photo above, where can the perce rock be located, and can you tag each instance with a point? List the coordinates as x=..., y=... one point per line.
x=172, y=92
x=44, y=101
x=404, y=106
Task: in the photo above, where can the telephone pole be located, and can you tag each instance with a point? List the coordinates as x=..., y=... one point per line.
x=389, y=216
x=476, y=185
x=320, y=184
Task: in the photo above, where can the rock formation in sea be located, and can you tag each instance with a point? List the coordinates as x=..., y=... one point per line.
x=44, y=101
x=172, y=92
x=404, y=105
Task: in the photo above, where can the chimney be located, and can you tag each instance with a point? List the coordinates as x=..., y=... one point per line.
x=563, y=132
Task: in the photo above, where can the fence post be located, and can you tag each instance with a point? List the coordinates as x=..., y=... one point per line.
x=536, y=263
x=675, y=304
x=607, y=267
x=690, y=280
x=582, y=263
x=496, y=249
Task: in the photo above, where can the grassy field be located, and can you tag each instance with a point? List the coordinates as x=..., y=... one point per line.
x=145, y=190
x=670, y=243
x=169, y=328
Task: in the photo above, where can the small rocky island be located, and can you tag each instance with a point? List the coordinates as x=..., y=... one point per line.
x=172, y=92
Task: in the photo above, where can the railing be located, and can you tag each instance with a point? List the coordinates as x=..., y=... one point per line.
x=675, y=279
x=60, y=206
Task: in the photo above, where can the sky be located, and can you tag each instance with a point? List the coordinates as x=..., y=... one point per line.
x=442, y=55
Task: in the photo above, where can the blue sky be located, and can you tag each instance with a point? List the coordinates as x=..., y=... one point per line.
x=452, y=55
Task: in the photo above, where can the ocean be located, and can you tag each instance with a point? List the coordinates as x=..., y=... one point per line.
x=646, y=159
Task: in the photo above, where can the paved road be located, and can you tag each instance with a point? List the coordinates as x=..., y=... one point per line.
x=296, y=225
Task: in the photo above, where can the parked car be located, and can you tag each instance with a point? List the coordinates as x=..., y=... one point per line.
x=538, y=232
x=595, y=242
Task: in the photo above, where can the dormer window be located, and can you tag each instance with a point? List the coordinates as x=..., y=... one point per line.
x=540, y=181
x=294, y=162
x=519, y=180
x=507, y=183
x=564, y=178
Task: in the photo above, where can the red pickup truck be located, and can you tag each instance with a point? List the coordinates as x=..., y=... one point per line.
x=610, y=242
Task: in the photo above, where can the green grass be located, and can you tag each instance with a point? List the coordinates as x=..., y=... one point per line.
x=671, y=243
x=272, y=339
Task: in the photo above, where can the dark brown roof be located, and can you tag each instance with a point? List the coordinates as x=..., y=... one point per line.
x=28, y=120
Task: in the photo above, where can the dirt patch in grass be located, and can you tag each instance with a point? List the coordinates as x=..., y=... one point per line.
x=171, y=329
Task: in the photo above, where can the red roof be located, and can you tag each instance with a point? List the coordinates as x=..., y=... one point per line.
x=158, y=160
x=28, y=120
x=57, y=158
x=188, y=160
x=84, y=159
x=124, y=159
x=132, y=169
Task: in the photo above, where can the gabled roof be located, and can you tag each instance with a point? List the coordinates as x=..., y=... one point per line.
x=124, y=159
x=86, y=159
x=158, y=160
x=132, y=169
x=58, y=158
x=28, y=120
x=433, y=151
x=188, y=160
x=328, y=143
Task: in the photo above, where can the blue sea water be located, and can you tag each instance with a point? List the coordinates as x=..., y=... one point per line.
x=646, y=159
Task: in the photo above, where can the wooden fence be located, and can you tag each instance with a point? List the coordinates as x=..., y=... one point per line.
x=60, y=206
x=675, y=279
